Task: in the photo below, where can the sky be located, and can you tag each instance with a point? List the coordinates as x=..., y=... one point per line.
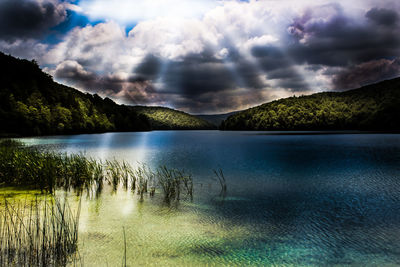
x=205, y=56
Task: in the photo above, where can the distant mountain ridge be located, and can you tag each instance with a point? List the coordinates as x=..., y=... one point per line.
x=372, y=107
x=162, y=118
x=31, y=103
x=216, y=119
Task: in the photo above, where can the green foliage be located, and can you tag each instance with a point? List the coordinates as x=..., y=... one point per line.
x=31, y=103
x=374, y=107
x=168, y=119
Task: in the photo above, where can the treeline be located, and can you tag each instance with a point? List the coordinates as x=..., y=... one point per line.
x=162, y=118
x=373, y=107
x=31, y=103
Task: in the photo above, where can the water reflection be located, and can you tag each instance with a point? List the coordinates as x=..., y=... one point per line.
x=291, y=200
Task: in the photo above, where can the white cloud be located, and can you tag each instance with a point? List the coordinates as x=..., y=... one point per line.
x=223, y=29
x=102, y=48
x=131, y=11
x=173, y=38
x=240, y=25
x=28, y=49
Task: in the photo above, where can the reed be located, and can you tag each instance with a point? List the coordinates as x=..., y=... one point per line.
x=124, y=262
x=188, y=183
x=173, y=182
x=49, y=171
x=113, y=173
x=142, y=173
x=167, y=183
x=222, y=181
x=98, y=177
x=126, y=172
x=46, y=171
x=40, y=233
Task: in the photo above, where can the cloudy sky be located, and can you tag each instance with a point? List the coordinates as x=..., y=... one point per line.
x=205, y=56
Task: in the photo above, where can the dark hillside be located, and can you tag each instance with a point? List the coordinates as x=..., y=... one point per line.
x=162, y=118
x=373, y=107
x=31, y=103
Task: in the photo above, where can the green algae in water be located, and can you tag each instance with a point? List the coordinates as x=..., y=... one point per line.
x=156, y=234
x=188, y=234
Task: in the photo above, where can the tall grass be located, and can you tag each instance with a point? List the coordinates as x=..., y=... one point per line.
x=173, y=182
x=221, y=178
x=46, y=171
x=40, y=233
x=49, y=171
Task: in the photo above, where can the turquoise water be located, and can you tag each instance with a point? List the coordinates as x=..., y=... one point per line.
x=293, y=199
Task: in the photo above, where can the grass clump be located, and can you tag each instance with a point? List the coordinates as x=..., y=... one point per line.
x=41, y=233
x=173, y=182
x=49, y=171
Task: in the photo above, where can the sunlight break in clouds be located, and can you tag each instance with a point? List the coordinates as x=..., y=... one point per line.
x=131, y=11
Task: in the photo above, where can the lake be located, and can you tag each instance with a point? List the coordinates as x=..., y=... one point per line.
x=297, y=198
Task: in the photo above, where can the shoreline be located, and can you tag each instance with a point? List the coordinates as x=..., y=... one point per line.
x=250, y=132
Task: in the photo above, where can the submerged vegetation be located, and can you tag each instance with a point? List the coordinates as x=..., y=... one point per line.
x=373, y=107
x=49, y=171
x=221, y=178
x=38, y=233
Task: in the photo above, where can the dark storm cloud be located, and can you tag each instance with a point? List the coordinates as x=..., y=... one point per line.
x=201, y=80
x=250, y=74
x=361, y=48
x=340, y=41
x=128, y=90
x=191, y=83
x=383, y=16
x=73, y=72
x=197, y=74
x=367, y=73
x=149, y=69
x=282, y=73
x=270, y=58
x=194, y=76
x=21, y=19
x=224, y=101
x=277, y=66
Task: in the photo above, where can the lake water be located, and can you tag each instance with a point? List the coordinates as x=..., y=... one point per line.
x=293, y=199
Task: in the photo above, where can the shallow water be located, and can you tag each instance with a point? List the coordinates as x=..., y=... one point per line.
x=298, y=199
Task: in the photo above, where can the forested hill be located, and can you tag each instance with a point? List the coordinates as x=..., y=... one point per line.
x=163, y=118
x=31, y=103
x=216, y=119
x=373, y=107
